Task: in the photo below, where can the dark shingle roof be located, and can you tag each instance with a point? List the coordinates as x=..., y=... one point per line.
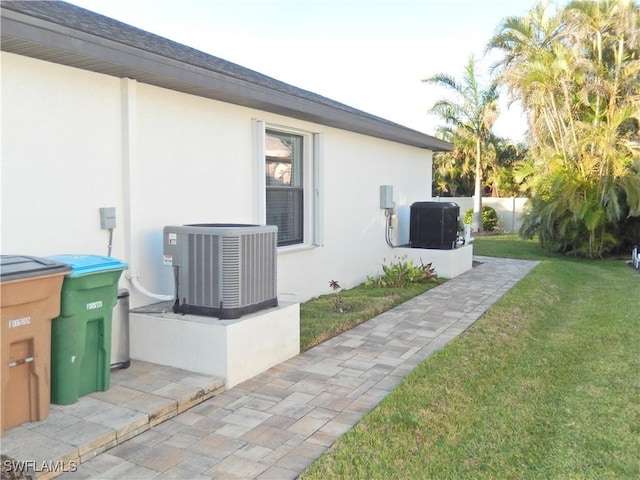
x=64, y=33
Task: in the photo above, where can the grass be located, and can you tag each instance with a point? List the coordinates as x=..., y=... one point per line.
x=509, y=246
x=320, y=320
x=545, y=385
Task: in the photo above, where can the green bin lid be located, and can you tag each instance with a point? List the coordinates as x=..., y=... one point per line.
x=86, y=264
x=14, y=267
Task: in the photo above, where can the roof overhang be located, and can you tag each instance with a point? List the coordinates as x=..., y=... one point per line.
x=49, y=41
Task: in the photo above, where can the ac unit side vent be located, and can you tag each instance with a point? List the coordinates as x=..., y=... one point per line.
x=203, y=262
x=231, y=278
x=223, y=270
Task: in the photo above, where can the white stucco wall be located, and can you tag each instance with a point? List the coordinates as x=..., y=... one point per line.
x=354, y=236
x=60, y=151
x=66, y=152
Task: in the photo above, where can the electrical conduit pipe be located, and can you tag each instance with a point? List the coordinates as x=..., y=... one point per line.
x=129, y=173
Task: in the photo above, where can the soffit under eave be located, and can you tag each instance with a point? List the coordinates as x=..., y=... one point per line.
x=111, y=58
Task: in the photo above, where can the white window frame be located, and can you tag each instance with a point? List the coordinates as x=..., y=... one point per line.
x=313, y=182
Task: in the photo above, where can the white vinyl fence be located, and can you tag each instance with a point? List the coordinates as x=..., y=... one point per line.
x=509, y=209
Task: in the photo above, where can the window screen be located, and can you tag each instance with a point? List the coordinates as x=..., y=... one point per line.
x=284, y=184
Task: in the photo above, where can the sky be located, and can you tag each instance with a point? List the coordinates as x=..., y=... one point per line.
x=369, y=54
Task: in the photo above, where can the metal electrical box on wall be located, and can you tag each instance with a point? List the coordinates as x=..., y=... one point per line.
x=386, y=196
x=107, y=218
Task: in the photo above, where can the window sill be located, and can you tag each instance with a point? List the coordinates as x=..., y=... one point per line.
x=295, y=248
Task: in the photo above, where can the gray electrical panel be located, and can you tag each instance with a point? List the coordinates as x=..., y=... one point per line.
x=386, y=196
x=107, y=218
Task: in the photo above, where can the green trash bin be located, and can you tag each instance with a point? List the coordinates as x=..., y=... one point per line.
x=81, y=335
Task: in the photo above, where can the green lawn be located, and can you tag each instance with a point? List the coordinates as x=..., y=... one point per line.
x=546, y=385
x=510, y=246
x=320, y=320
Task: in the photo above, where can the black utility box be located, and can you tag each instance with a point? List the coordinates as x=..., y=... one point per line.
x=434, y=225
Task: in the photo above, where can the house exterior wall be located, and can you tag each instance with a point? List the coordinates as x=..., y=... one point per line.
x=75, y=141
x=60, y=137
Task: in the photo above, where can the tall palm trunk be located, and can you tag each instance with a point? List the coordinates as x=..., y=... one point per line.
x=476, y=224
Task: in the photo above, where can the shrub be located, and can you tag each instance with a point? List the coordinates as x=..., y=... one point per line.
x=489, y=218
x=401, y=273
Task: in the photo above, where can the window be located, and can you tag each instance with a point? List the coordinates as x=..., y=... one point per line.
x=289, y=175
x=284, y=180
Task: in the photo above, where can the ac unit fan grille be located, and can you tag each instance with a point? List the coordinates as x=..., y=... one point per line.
x=204, y=254
x=231, y=288
x=257, y=270
x=246, y=275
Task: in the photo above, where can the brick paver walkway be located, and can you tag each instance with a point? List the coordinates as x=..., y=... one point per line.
x=278, y=423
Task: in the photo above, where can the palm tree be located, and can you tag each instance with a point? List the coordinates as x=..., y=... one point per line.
x=504, y=159
x=527, y=68
x=471, y=113
x=453, y=172
x=577, y=73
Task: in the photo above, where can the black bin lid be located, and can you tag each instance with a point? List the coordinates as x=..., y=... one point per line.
x=435, y=205
x=14, y=267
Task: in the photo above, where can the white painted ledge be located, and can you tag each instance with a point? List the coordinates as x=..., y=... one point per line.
x=448, y=263
x=236, y=350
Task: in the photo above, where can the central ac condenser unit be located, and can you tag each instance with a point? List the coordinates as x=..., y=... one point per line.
x=222, y=270
x=434, y=225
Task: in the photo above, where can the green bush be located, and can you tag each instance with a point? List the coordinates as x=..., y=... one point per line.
x=400, y=273
x=489, y=218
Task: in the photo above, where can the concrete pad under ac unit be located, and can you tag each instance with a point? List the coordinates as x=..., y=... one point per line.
x=236, y=350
